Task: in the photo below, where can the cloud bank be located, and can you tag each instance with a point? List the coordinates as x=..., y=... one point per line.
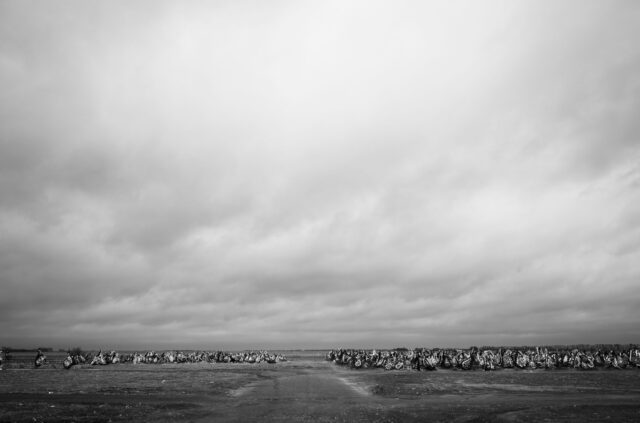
x=287, y=174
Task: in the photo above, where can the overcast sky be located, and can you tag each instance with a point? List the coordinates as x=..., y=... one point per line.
x=283, y=174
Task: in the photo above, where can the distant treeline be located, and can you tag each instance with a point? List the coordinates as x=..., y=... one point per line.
x=602, y=347
x=582, y=347
x=43, y=349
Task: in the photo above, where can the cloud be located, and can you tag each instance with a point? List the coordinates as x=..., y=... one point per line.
x=307, y=175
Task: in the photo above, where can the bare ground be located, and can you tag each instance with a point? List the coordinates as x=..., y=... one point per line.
x=309, y=389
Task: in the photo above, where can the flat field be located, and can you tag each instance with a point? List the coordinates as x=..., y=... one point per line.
x=307, y=388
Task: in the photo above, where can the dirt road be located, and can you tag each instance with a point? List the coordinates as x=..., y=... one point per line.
x=308, y=396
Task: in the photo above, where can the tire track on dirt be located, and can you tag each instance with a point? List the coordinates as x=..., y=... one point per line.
x=318, y=394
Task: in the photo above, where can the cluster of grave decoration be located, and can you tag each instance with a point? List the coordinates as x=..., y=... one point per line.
x=152, y=357
x=487, y=359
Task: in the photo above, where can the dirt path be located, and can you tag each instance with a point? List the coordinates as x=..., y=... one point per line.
x=307, y=395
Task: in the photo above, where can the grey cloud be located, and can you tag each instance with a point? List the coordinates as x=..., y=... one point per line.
x=294, y=175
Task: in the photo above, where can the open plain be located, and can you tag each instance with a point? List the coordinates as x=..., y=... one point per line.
x=308, y=388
